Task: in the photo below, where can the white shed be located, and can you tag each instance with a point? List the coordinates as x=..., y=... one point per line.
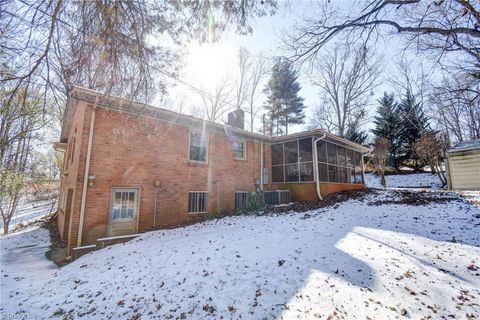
x=464, y=166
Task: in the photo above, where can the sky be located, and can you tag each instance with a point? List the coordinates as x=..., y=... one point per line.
x=208, y=64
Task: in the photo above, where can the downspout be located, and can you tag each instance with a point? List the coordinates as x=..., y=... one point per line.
x=86, y=174
x=155, y=206
x=315, y=156
x=261, y=166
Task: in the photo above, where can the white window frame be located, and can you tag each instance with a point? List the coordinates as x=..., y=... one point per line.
x=206, y=145
x=197, y=204
x=136, y=205
x=244, y=141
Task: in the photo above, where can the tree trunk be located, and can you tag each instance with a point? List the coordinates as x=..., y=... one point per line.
x=383, y=182
x=5, y=227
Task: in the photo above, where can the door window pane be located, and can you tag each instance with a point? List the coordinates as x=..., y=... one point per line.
x=124, y=204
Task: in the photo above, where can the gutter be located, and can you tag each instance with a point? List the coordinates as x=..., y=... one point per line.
x=315, y=156
x=86, y=174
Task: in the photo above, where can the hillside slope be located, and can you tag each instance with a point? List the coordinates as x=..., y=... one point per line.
x=386, y=255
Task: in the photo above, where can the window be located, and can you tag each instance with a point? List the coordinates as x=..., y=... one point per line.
x=358, y=168
x=239, y=148
x=338, y=164
x=305, y=149
x=198, y=146
x=197, y=202
x=306, y=171
x=241, y=200
x=277, y=154
x=124, y=203
x=332, y=153
x=292, y=161
x=322, y=172
x=341, y=157
x=291, y=173
x=322, y=151
x=291, y=152
x=277, y=174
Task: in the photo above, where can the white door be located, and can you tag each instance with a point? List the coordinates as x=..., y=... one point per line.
x=123, y=211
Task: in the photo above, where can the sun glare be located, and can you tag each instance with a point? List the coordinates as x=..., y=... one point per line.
x=209, y=64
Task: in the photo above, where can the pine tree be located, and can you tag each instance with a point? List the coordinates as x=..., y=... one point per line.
x=388, y=125
x=284, y=106
x=414, y=123
x=356, y=134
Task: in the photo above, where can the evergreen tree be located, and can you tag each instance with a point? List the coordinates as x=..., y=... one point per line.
x=284, y=106
x=356, y=134
x=414, y=124
x=388, y=125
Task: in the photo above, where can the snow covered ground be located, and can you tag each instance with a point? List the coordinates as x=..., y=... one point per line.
x=411, y=180
x=31, y=210
x=374, y=257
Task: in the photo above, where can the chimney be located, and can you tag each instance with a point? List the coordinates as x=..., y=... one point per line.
x=236, y=119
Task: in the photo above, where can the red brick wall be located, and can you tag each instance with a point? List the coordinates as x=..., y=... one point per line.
x=71, y=170
x=134, y=151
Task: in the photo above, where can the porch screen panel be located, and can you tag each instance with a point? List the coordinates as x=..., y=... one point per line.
x=292, y=161
x=338, y=164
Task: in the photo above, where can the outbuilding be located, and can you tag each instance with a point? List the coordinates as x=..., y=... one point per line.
x=464, y=166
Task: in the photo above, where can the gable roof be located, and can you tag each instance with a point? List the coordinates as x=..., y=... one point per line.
x=136, y=108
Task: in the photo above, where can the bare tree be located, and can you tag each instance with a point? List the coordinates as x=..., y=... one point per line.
x=252, y=70
x=107, y=45
x=380, y=158
x=411, y=76
x=432, y=149
x=12, y=184
x=346, y=77
x=259, y=69
x=218, y=101
x=455, y=105
x=242, y=83
x=435, y=26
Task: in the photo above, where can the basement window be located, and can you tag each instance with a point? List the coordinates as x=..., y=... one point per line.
x=197, y=202
x=241, y=200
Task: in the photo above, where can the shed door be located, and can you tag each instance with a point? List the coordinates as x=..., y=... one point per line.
x=123, y=211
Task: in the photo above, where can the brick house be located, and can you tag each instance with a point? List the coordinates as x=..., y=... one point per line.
x=131, y=167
